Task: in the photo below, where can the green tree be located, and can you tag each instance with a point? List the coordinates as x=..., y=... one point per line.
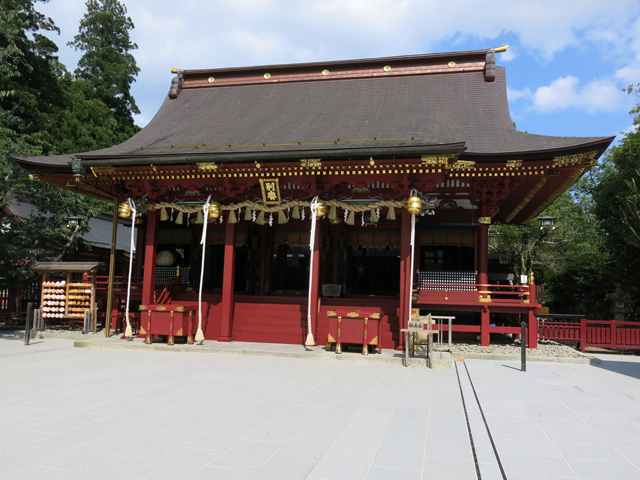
x=572, y=260
x=617, y=200
x=28, y=87
x=107, y=62
x=42, y=111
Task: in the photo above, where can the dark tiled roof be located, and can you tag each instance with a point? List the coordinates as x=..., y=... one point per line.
x=309, y=117
x=67, y=266
x=100, y=228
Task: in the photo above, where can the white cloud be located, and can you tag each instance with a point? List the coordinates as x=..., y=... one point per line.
x=514, y=95
x=630, y=74
x=565, y=92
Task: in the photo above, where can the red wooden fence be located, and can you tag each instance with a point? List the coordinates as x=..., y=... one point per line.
x=592, y=333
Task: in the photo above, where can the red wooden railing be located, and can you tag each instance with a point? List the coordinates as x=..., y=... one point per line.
x=497, y=292
x=592, y=333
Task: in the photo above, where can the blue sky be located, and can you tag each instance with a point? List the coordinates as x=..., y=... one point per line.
x=567, y=62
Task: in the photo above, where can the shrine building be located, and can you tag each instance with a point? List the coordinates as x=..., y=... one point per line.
x=270, y=146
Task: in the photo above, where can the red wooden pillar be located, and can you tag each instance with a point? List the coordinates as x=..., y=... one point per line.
x=532, y=320
x=405, y=272
x=228, y=282
x=335, y=253
x=151, y=241
x=485, y=337
x=139, y=255
x=315, y=281
x=483, y=254
x=475, y=251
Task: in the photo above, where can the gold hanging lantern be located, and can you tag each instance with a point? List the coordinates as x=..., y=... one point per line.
x=124, y=210
x=414, y=205
x=322, y=209
x=214, y=211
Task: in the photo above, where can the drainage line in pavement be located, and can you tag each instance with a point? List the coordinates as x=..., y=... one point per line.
x=466, y=416
x=484, y=419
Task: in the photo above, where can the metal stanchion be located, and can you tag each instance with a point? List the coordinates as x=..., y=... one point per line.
x=27, y=323
x=523, y=347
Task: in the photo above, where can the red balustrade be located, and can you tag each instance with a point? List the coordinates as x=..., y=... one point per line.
x=592, y=333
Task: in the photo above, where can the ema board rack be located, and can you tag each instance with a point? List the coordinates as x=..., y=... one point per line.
x=65, y=300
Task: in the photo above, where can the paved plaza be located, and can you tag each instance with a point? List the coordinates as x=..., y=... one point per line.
x=78, y=413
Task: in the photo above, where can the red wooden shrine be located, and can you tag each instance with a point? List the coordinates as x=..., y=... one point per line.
x=361, y=135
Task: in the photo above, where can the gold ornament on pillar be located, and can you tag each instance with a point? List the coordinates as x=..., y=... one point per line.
x=414, y=205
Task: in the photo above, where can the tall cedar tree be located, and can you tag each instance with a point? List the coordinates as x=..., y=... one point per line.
x=29, y=90
x=42, y=111
x=107, y=62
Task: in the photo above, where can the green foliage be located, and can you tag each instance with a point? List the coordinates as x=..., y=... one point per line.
x=572, y=260
x=107, y=62
x=45, y=110
x=85, y=123
x=617, y=200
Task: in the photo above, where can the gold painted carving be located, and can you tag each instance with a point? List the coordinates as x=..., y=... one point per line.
x=331, y=313
x=179, y=309
x=161, y=308
x=375, y=315
x=573, y=159
x=374, y=341
x=485, y=220
x=484, y=300
x=103, y=171
x=179, y=333
x=142, y=307
x=429, y=160
x=514, y=163
x=352, y=314
x=310, y=163
x=207, y=167
x=463, y=165
x=331, y=339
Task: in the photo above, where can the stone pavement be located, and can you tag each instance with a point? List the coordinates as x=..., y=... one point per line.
x=96, y=413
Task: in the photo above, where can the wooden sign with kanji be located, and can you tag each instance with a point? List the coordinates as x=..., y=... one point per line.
x=270, y=191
